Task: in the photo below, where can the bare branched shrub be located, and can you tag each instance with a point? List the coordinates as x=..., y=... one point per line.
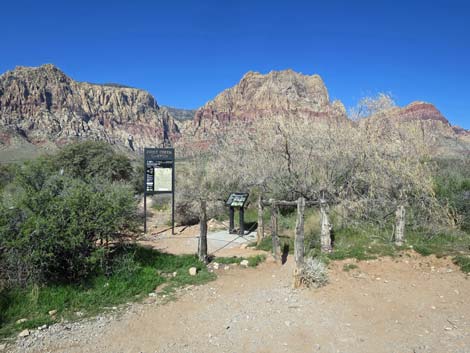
x=314, y=273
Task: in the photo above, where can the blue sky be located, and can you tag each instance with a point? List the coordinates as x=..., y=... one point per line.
x=185, y=52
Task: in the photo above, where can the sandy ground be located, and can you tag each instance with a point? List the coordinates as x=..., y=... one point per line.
x=409, y=304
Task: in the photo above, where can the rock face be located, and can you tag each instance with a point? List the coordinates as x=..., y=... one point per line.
x=428, y=124
x=181, y=114
x=43, y=105
x=259, y=96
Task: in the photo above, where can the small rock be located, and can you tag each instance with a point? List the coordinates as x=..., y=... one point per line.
x=43, y=327
x=244, y=263
x=52, y=312
x=20, y=321
x=24, y=333
x=227, y=268
x=448, y=329
x=287, y=323
x=193, y=271
x=174, y=274
x=152, y=294
x=244, y=246
x=215, y=265
x=79, y=314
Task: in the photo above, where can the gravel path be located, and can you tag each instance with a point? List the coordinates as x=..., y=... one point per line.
x=410, y=304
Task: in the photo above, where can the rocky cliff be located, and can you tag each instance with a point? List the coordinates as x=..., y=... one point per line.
x=258, y=96
x=44, y=106
x=290, y=94
x=426, y=122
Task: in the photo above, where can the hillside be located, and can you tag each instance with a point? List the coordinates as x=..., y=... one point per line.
x=42, y=106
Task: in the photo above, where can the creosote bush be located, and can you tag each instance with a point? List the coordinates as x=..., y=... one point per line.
x=54, y=222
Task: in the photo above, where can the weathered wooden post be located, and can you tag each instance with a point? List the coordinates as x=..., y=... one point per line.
x=202, y=246
x=231, y=226
x=299, y=242
x=325, y=235
x=400, y=225
x=274, y=230
x=260, y=229
x=241, y=218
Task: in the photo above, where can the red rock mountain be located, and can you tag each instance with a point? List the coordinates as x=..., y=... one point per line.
x=288, y=93
x=44, y=106
x=258, y=96
x=428, y=121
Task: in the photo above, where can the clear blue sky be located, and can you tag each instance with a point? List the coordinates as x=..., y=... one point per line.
x=185, y=52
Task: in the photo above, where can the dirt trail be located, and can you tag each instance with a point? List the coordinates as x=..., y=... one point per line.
x=409, y=304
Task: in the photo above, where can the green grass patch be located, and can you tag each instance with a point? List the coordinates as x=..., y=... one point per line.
x=450, y=243
x=136, y=271
x=253, y=261
x=463, y=262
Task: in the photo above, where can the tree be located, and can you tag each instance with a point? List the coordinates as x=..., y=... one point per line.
x=93, y=159
x=368, y=106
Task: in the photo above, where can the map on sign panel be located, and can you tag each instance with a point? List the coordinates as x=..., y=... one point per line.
x=163, y=179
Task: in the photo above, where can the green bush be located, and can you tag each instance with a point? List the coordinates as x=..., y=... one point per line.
x=51, y=226
x=92, y=159
x=452, y=185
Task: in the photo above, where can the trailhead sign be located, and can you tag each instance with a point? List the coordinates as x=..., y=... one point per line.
x=159, y=177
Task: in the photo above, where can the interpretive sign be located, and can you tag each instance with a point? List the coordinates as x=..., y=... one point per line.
x=159, y=177
x=237, y=199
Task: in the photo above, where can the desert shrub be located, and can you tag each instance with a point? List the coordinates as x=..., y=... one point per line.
x=93, y=159
x=51, y=225
x=314, y=273
x=452, y=185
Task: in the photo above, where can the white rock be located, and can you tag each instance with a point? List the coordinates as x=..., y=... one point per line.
x=152, y=295
x=20, y=321
x=193, y=271
x=52, y=312
x=174, y=274
x=24, y=333
x=227, y=268
x=43, y=327
x=244, y=263
x=215, y=265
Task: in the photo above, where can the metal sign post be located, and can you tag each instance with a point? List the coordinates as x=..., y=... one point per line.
x=159, y=178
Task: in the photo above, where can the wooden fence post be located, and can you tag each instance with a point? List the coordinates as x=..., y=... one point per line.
x=202, y=248
x=400, y=225
x=274, y=235
x=325, y=235
x=260, y=229
x=299, y=242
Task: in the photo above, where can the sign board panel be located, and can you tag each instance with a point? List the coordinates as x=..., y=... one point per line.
x=159, y=170
x=159, y=177
x=237, y=199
